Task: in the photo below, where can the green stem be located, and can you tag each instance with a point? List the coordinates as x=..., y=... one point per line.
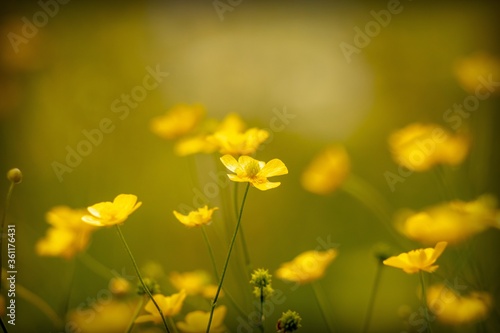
x=246, y=254
x=134, y=316
x=320, y=299
x=373, y=295
x=424, y=302
x=171, y=321
x=214, y=302
x=140, y=276
x=261, y=315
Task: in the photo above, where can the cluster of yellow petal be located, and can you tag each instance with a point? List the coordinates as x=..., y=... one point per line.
x=68, y=234
x=178, y=121
x=196, y=282
x=255, y=172
x=107, y=213
x=454, y=309
x=327, y=171
x=417, y=260
x=307, y=266
x=169, y=305
x=470, y=69
x=199, y=217
x=419, y=147
x=452, y=222
x=197, y=321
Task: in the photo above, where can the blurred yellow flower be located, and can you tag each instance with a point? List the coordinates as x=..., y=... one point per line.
x=107, y=213
x=419, y=147
x=199, y=217
x=454, y=309
x=470, y=69
x=327, y=171
x=110, y=317
x=236, y=143
x=119, y=286
x=169, y=305
x=194, y=145
x=197, y=321
x=178, y=121
x=452, y=222
x=255, y=172
x=307, y=266
x=417, y=260
x=68, y=234
x=196, y=282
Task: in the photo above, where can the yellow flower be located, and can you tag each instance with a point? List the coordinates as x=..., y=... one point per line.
x=235, y=143
x=108, y=213
x=454, y=309
x=68, y=234
x=419, y=147
x=255, y=172
x=178, y=121
x=193, y=282
x=327, y=171
x=307, y=266
x=111, y=317
x=468, y=70
x=169, y=305
x=417, y=260
x=452, y=222
x=196, y=218
x=197, y=321
x=194, y=145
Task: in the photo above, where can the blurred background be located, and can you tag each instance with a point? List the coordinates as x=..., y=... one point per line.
x=70, y=69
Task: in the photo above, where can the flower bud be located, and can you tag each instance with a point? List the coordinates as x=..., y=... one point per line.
x=15, y=175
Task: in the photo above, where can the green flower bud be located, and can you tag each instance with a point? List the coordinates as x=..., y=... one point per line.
x=15, y=175
x=289, y=322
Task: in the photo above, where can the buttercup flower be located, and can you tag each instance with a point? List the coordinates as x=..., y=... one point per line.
x=261, y=280
x=469, y=71
x=452, y=222
x=417, y=260
x=169, y=305
x=196, y=218
x=307, y=266
x=255, y=172
x=419, y=147
x=289, y=322
x=110, y=213
x=327, y=171
x=194, y=283
x=113, y=316
x=454, y=309
x=235, y=143
x=197, y=321
x=178, y=121
x=68, y=234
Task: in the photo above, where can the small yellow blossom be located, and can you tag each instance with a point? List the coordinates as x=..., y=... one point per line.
x=119, y=286
x=417, y=260
x=169, y=305
x=178, y=121
x=199, y=217
x=452, y=222
x=194, y=145
x=235, y=143
x=194, y=282
x=307, y=266
x=453, y=309
x=255, y=172
x=197, y=321
x=289, y=322
x=68, y=234
x=473, y=71
x=327, y=171
x=419, y=147
x=108, y=213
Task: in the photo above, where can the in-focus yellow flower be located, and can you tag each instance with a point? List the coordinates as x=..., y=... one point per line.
x=327, y=171
x=194, y=282
x=68, y=234
x=417, y=260
x=419, y=147
x=455, y=309
x=473, y=71
x=255, y=172
x=178, y=121
x=235, y=143
x=108, y=213
x=169, y=305
x=452, y=222
x=307, y=266
x=197, y=321
x=199, y=217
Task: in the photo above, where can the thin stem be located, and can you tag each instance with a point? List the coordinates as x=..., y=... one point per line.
x=140, y=276
x=214, y=302
x=261, y=315
x=246, y=254
x=320, y=299
x=373, y=295
x=171, y=321
x=424, y=302
x=134, y=316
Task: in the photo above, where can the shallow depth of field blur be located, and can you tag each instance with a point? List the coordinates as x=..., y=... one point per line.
x=281, y=67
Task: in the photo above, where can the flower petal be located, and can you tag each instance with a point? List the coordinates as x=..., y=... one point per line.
x=274, y=167
x=230, y=162
x=266, y=186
